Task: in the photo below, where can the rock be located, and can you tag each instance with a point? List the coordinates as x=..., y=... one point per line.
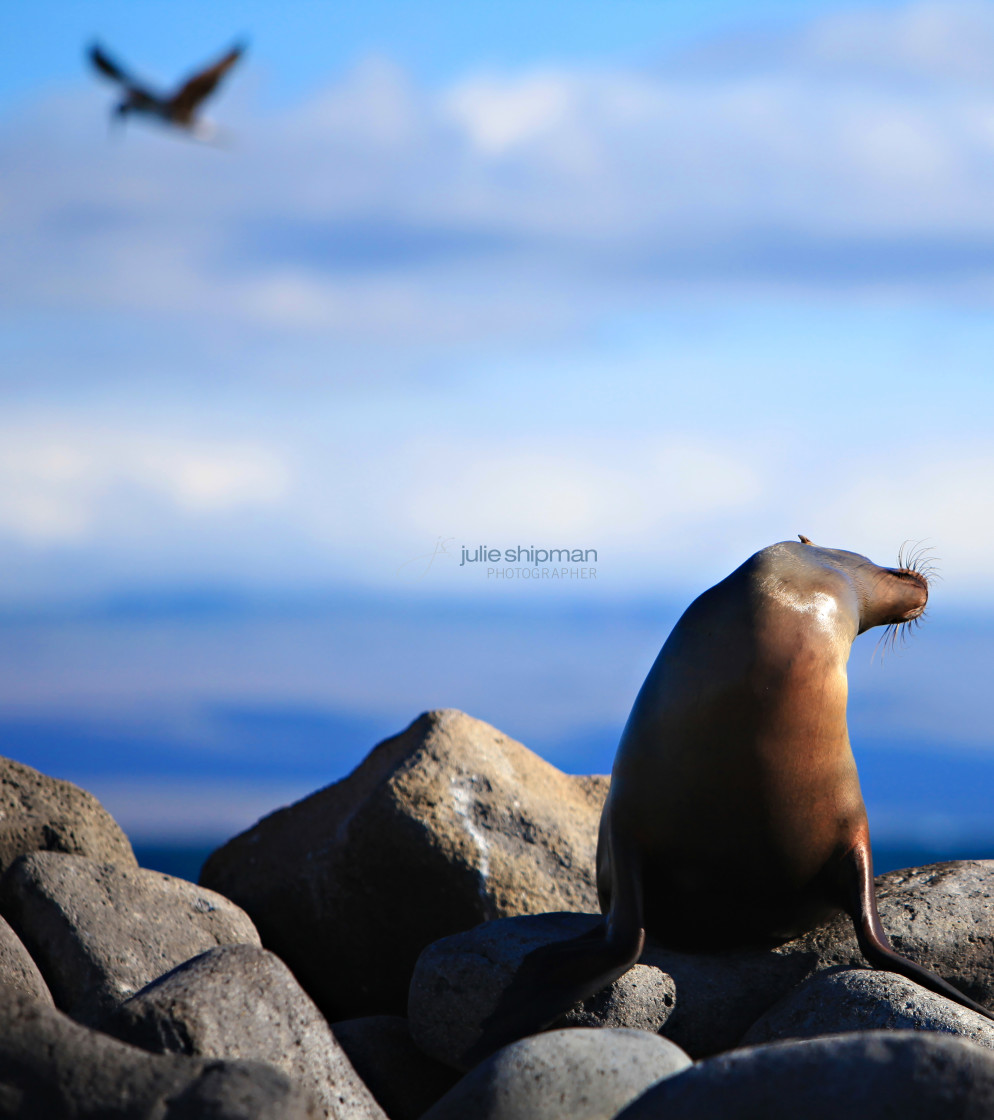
x=459, y=979
x=99, y=932
x=38, y=813
x=861, y=999
x=449, y=824
x=939, y=915
x=17, y=969
x=240, y=1001
x=871, y=1075
x=400, y=1076
x=582, y=1074
x=54, y=1068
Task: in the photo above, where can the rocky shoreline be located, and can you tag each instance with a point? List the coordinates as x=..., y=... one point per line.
x=338, y=958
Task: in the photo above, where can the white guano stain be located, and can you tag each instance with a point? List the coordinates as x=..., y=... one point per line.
x=822, y=606
x=461, y=801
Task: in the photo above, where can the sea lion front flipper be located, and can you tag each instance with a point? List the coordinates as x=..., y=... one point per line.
x=860, y=901
x=552, y=978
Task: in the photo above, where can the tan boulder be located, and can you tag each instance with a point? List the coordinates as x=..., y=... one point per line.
x=446, y=825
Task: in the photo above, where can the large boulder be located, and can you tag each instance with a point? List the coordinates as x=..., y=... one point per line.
x=398, y=1073
x=17, y=969
x=705, y=1002
x=240, y=1001
x=841, y=1000
x=871, y=1075
x=54, y=1068
x=581, y=1074
x=38, y=813
x=449, y=824
x=101, y=932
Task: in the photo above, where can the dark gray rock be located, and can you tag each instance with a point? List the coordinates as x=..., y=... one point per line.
x=582, y=1074
x=403, y=1079
x=459, y=979
x=240, y=1001
x=942, y=916
x=53, y=1068
x=837, y=1001
x=17, y=969
x=38, y=813
x=101, y=932
x=871, y=1075
x=449, y=824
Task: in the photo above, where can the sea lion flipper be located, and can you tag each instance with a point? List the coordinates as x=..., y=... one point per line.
x=860, y=900
x=549, y=981
x=553, y=978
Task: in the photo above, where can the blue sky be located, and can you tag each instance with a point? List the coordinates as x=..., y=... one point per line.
x=666, y=281
x=303, y=43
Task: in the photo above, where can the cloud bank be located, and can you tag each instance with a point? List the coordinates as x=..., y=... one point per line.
x=408, y=251
x=856, y=154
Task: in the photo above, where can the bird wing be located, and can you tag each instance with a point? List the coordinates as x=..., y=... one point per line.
x=107, y=66
x=184, y=102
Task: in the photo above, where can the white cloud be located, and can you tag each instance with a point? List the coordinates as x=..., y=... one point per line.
x=580, y=489
x=923, y=40
x=498, y=115
x=154, y=497
x=379, y=207
x=66, y=482
x=298, y=505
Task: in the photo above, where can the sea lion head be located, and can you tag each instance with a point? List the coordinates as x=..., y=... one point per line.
x=886, y=596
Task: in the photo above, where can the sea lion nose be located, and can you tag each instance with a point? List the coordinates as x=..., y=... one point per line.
x=914, y=588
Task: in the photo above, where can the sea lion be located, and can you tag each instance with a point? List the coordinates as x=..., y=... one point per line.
x=734, y=815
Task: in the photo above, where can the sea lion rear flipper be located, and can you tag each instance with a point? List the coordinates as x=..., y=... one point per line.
x=549, y=981
x=552, y=978
x=860, y=901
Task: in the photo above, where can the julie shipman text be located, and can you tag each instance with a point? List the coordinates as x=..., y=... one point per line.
x=484, y=555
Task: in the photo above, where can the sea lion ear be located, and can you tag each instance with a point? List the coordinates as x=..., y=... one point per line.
x=803, y=539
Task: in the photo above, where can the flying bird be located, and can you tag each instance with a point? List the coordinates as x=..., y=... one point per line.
x=180, y=108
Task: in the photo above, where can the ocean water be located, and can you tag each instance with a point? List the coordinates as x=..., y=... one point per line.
x=186, y=860
x=888, y=857
x=181, y=860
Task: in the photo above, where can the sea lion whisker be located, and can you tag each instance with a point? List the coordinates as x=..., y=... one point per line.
x=918, y=557
x=881, y=646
